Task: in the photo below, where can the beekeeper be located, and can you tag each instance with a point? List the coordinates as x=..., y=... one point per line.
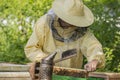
x=66, y=26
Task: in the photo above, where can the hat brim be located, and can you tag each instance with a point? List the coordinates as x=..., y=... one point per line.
x=80, y=21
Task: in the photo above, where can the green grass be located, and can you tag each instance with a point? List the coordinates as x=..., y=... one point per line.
x=57, y=77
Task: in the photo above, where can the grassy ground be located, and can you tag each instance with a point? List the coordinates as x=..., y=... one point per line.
x=56, y=77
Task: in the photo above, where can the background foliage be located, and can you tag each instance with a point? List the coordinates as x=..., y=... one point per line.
x=17, y=17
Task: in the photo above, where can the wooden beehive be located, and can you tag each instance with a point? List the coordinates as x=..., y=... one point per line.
x=14, y=72
x=21, y=72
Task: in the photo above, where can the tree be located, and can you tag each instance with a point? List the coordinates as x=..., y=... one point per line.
x=107, y=30
x=16, y=20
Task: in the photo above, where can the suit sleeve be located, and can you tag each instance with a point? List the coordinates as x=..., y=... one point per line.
x=92, y=49
x=33, y=48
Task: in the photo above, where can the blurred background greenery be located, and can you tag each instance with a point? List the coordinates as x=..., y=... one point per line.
x=17, y=18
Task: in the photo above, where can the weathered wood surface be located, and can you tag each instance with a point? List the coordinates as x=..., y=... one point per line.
x=107, y=76
x=14, y=72
x=15, y=79
x=13, y=67
x=15, y=76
